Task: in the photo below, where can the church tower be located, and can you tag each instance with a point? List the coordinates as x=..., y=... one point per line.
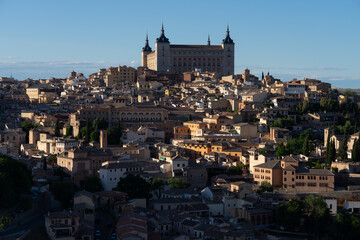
x=145, y=51
x=229, y=52
x=162, y=51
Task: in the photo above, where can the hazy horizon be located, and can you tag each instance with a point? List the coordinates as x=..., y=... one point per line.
x=43, y=39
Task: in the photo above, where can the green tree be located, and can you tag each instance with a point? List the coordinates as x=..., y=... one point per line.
x=305, y=148
x=15, y=180
x=134, y=186
x=235, y=170
x=331, y=156
x=347, y=226
x=157, y=186
x=5, y=221
x=177, y=183
x=281, y=150
x=289, y=214
x=343, y=148
x=316, y=215
x=265, y=187
x=356, y=151
x=263, y=151
x=86, y=132
x=114, y=135
x=95, y=136
x=63, y=192
x=305, y=106
x=99, y=123
x=51, y=159
x=69, y=131
x=283, y=123
x=57, y=128
x=92, y=184
x=27, y=126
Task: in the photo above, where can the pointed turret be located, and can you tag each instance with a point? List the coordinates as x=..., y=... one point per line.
x=227, y=37
x=162, y=37
x=147, y=48
x=208, y=42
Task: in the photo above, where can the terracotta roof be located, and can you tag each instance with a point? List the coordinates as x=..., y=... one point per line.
x=274, y=164
x=313, y=171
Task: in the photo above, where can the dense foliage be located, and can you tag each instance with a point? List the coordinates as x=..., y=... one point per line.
x=15, y=179
x=302, y=144
x=157, y=186
x=57, y=128
x=27, y=126
x=177, y=183
x=134, y=186
x=283, y=123
x=312, y=211
x=265, y=187
x=90, y=132
x=63, y=192
x=92, y=184
x=5, y=221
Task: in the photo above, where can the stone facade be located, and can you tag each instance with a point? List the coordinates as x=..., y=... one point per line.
x=184, y=58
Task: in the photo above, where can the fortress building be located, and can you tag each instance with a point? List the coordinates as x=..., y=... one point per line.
x=184, y=58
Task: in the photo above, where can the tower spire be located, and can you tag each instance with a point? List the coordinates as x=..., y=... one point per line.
x=227, y=37
x=208, y=42
x=162, y=37
x=147, y=48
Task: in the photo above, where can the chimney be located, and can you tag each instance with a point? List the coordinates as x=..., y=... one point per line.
x=103, y=139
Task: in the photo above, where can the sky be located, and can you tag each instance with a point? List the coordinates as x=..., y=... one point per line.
x=290, y=39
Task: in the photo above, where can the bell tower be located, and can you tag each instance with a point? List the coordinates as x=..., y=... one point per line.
x=228, y=47
x=162, y=50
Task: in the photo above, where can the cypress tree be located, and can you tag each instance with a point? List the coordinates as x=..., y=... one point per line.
x=305, y=148
x=57, y=128
x=331, y=153
x=327, y=147
x=356, y=151
x=344, y=148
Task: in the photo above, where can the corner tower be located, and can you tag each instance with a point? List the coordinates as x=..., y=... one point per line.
x=145, y=51
x=162, y=51
x=228, y=54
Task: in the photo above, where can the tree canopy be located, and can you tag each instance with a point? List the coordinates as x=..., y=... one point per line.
x=265, y=187
x=92, y=184
x=177, y=183
x=296, y=145
x=283, y=123
x=313, y=210
x=157, y=186
x=15, y=179
x=57, y=128
x=63, y=192
x=134, y=186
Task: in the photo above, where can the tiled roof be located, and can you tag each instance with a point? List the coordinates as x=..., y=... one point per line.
x=274, y=164
x=314, y=171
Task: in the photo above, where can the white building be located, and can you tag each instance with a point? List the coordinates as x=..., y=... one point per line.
x=352, y=206
x=55, y=145
x=111, y=172
x=142, y=134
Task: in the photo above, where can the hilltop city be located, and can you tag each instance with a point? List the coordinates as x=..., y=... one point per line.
x=178, y=148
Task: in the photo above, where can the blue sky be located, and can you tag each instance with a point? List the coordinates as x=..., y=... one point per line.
x=291, y=39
